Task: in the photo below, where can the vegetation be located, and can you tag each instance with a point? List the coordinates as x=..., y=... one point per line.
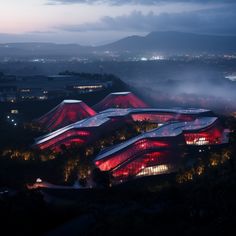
x=66, y=167
x=200, y=199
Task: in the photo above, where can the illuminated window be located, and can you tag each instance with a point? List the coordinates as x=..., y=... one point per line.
x=154, y=170
x=14, y=112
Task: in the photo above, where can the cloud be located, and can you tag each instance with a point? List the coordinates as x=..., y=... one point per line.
x=215, y=21
x=141, y=2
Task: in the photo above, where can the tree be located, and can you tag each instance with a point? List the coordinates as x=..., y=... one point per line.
x=101, y=178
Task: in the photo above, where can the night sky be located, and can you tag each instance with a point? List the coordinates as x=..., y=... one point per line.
x=101, y=21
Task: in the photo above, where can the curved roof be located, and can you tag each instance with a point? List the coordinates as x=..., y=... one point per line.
x=67, y=112
x=105, y=117
x=121, y=100
x=121, y=93
x=167, y=130
x=187, y=111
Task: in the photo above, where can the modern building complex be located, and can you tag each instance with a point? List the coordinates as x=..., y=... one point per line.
x=105, y=122
x=159, y=151
x=155, y=152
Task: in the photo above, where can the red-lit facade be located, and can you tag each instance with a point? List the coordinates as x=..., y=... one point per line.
x=152, y=153
x=141, y=155
x=210, y=136
x=67, y=138
x=68, y=112
x=159, y=151
x=162, y=117
x=128, y=152
x=153, y=163
x=109, y=120
x=120, y=100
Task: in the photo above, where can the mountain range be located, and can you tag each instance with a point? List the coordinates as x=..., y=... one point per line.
x=163, y=42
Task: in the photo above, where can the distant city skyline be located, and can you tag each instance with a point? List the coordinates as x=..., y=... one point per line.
x=93, y=22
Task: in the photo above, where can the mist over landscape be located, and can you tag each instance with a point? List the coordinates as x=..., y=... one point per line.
x=118, y=117
x=174, y=82
x=184, y=69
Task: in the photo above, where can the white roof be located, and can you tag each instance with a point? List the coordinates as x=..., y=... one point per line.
x=72, y=101
x=121, y=93
x=104, y=116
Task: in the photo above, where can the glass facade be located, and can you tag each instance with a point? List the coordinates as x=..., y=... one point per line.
x=159, y=151
x=68, y=112
x=120, y=100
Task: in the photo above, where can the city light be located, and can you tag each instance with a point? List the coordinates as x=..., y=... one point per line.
x=38, y=180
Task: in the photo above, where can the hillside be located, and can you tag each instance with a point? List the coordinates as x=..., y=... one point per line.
x=164, y=42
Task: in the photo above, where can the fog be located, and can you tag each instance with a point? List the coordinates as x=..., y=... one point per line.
x=181, y=83
x=195, y=87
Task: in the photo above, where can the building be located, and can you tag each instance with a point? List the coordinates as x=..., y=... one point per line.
x=120, y=100
x=155, y=152
x=90, y=129
x=67, y=112
x=24, y=88
x=89, y=86
x=159, y=151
